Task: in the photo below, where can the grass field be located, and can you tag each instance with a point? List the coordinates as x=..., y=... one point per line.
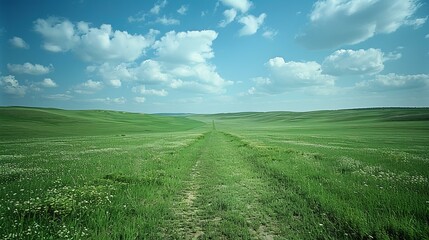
x=346, y=174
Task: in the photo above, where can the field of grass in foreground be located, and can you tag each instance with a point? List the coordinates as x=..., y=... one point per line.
x=358, y=174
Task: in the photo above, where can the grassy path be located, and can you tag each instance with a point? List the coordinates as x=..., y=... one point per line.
x=222, y=199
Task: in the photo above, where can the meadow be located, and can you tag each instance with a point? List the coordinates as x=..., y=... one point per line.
x=345, y=174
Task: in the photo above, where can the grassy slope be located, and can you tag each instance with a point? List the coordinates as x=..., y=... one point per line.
x=327, y=118
x=18, y=122
x=356, y=174
x=385, y=124
x=366, y=169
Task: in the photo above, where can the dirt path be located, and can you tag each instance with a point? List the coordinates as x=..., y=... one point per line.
x=224, y=196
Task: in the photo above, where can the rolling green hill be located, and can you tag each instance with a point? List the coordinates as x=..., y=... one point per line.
x=350, y=119
x=344, y=174
x=22, y=122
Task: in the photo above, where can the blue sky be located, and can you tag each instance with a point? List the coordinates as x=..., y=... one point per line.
x=214, y=56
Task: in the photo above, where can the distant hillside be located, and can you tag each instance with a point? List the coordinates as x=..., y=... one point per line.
x=329, y=120
x=19, y=122
x=369, y=114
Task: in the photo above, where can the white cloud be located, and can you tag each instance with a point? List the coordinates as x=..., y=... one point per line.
x=139, y=99
x=158, y=6
x=139, y=17
x=89, y=87
x=335, y=23
x=269, y=33
x=11, y=86
x=48, y=83
x=251, y=91
x=112, y=74
x=59, y=97
x=251, y=24
x=285, y=76
x=115, y=83
x=186, y=47
x=391, y=56
x=229, y=15
x=350, y=62
x=143, y=91
x=29, y=68
x=427, y=36
x=241, y=5
x=167, y=21
x=182, y=10
x=199, y=77
x=416, y=23
x=181, y=61
x=393, y=81
x=19, y=43
x=92, y=44
x=90, y=84
x=155, y=10
x=59, y=35
x=120, y=100
x=103, y=44
x=108, y=100
x=149, y=71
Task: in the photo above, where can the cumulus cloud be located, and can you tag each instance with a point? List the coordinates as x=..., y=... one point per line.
x=392, y=56
x=167, y=21
x=181, y=61
x=150, y=71
x=154, y=92
x=251, y=24
x=108, y=100
x=19, y=43
x=393, y=81
x=48, y=83
x=298, y=73
x=115, y=83
x=90, y=84
x=241, y=5
x=89, y=87
x=59, y=35
x=350, y=62
x=285, y=76
x=335, y=23
x=201, y=77
x=29, y=68
x=182, y=10
x=112, y=74
x=11, y=86
x=90, y=43
x=229, y=15
x=104, y=44
x=187, y=47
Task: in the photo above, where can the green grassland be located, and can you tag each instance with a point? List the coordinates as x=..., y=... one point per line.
x=18, y=122
x=346, y=174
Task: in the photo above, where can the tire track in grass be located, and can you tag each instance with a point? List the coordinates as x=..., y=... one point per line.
x=222, y=199
x=189, y=220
